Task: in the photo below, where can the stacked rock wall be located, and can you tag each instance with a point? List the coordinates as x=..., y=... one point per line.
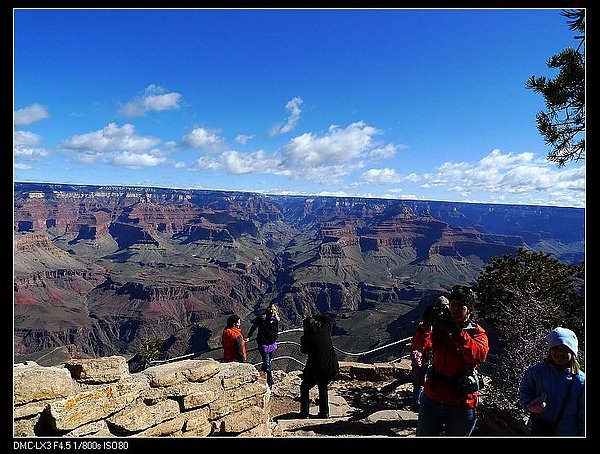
x=100, y=398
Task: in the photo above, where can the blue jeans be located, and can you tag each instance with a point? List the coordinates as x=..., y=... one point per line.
x=267, y=366
x=435, y=416
x=417, y=394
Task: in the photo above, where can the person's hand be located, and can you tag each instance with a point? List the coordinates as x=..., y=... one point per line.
x=416, y=358
x=448, y=324
x=536, y=406
x=247, y=339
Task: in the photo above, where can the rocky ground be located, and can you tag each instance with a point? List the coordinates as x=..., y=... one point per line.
x=357, y=408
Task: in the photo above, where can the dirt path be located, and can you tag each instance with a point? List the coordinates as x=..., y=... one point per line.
x=357, y=409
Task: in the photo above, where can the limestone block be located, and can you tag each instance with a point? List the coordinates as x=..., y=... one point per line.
x=241, y=421
x=193, y=370
x=96, y=428
x=203, y=394
x=245, y=391
x=262, y=430
x=31, y=409
x=222, y=407
x=98, y=370
x=366, y=372
x=392, y=370
x=92, y=405
x=195, y=419
x=24, y=427
x=199, y=431
x=140, y=416
x=181, y=390
x=235, y=374
x=164, y=428
x=197, y=423
x=152, y=396
x=33, y=383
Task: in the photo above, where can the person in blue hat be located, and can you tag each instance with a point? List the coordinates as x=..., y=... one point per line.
x=553, y=390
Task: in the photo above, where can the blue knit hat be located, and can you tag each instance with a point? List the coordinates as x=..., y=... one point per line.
x=563, y=336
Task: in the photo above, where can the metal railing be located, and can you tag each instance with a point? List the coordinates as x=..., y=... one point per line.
x=289, y=357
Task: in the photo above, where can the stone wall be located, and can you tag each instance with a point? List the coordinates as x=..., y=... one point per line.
x=374, y=372
x=100, y=398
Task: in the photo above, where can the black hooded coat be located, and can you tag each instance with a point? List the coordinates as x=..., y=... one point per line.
x=322, y=362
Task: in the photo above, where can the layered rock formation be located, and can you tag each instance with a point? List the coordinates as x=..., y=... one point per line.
x=103, y=267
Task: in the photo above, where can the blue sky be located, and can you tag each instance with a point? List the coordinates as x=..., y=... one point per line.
x=397, y=103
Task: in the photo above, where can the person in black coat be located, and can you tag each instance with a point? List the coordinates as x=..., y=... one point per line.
x=322, y=364
x=268, y=327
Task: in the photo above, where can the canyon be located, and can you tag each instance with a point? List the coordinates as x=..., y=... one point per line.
x=101, y=268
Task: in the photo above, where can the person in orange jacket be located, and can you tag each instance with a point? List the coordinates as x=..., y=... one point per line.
x=458, y=345
x=234, y=345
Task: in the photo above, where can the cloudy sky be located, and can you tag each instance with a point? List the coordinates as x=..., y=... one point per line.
x=395, y=103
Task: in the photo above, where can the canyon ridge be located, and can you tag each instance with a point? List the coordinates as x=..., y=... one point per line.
x=101, y=268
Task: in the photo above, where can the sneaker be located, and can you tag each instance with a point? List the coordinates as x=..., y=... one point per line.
x=323, y=415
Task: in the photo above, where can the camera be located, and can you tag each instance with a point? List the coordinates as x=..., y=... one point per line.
x=471, y=383
x=435, y=313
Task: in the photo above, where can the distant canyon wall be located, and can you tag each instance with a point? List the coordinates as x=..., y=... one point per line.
x=102, y=267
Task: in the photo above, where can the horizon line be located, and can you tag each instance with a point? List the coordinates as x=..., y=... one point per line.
x=294, y=194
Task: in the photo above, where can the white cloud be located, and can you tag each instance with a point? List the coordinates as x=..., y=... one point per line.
x=206, y=163
x=386, y=152
x=327, y=174
x=26, y=138
x=333, y=194
x=24, y=145
x=154, y=98
x=237, y=163
x=30, y=114
x=137, y=160
x=202, y=139
x=411, y=178
x=337, y=146
x=30, y=153
x=180, y=165
x=324, y=158
x=497, y=160
x=110, y=139
x=293, y=107
x=381, y=176
x=22, y=166
x=243, y=138
x=120, y=146
x=520, y=174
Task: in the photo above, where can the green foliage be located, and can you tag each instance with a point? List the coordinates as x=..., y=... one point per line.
x=563, y=123
x=538, y=277
x=521, y=298
x=150, y=349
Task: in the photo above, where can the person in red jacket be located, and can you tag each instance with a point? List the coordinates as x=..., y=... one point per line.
x=234, y=345
x=458, y=345
x=420, y=361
